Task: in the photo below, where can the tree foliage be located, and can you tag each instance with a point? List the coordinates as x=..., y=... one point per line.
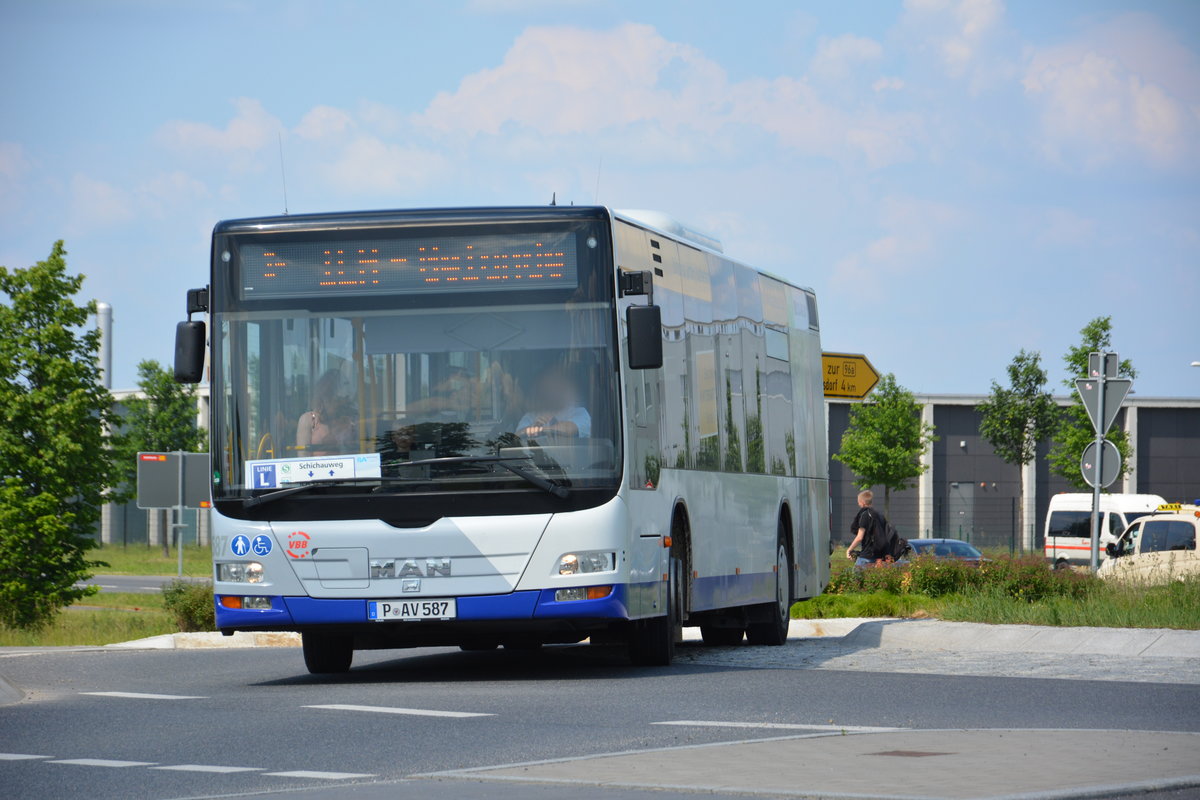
x=1075, y=431
x=885, y=439
x=160, y=418
x=1018, y=416
x=55, y=467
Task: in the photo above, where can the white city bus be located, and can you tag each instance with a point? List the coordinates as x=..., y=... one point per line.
x=510, y=426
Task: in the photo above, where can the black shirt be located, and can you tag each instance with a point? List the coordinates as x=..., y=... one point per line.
x=868, y=519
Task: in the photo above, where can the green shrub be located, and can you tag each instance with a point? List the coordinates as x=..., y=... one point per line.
x=191, y=605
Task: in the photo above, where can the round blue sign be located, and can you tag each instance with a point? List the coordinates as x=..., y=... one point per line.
x=261, y=545
x=239, y=545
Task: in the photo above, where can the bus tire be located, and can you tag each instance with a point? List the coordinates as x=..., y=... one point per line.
x=327, y=653
x=721, y=637
x=774, y=631
x=652, y=641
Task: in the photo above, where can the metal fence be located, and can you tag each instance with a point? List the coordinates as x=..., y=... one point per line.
x=986, y=522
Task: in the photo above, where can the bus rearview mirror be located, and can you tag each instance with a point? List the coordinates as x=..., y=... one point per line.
x=189, y=351
x=644, y=325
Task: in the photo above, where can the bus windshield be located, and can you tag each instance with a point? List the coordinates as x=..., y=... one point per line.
x=426, y=387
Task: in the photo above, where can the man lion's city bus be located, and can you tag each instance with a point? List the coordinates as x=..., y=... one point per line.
x=509, y=426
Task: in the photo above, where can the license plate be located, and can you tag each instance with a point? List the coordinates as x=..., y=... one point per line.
x=431, y=608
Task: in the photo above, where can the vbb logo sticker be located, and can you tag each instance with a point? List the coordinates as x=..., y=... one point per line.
x=298, y=544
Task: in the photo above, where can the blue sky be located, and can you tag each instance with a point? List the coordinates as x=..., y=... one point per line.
x=957, y=179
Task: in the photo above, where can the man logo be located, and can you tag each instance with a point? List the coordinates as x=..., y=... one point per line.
x=410, y=568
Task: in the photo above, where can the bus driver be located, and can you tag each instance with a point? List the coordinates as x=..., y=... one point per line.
x=557, y=411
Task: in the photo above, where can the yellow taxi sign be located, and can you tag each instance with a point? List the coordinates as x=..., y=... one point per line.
x=1170, y=507
x=847, y=375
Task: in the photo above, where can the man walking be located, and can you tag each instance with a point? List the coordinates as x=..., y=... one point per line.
x=865, y=529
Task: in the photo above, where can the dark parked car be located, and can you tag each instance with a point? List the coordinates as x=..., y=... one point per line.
x=946, y=548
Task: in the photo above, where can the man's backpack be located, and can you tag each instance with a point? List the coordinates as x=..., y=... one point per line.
x=886, y=541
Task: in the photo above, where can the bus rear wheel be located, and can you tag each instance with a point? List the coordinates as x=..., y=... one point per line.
x=773, y=631
x=327, y=653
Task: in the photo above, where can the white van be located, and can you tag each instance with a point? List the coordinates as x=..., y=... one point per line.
x=1069, y=523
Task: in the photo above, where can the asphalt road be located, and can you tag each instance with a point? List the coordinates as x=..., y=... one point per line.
x=133, y=584
x=188, y=719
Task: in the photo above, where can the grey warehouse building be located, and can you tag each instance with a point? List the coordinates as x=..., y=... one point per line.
x=970, y=493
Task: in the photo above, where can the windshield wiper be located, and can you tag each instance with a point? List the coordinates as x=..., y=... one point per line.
x=545, y=484
x=258, y=500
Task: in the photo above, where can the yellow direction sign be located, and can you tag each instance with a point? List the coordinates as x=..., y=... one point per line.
x=848, y=375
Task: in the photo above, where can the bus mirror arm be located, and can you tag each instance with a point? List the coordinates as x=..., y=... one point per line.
x=190, y=338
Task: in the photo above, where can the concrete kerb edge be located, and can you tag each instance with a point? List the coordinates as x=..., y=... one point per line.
x=982, y=637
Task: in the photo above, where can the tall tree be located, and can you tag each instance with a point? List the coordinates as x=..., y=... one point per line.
x=1018, y=416
x=1076, y=432
x=885, y=440
x=161, y=418
x=53, y=462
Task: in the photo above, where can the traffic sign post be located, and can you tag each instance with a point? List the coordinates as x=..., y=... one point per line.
x=847, y=375
x=176, y=481
x=1102, y=394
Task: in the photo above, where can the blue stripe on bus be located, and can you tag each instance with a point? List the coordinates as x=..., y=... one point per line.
x=532, y=604
x=724, y=591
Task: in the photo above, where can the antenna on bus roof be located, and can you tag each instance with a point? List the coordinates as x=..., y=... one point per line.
x=282, y=173
x=596, y=193
x=554, y=198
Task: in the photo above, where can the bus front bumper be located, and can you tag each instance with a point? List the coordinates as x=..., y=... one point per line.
x=534, y=606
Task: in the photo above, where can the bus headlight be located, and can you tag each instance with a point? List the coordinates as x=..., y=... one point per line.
x=241, y=572
x=587, y=561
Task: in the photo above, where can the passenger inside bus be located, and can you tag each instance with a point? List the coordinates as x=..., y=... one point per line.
x=556, y=409
x=328, y=427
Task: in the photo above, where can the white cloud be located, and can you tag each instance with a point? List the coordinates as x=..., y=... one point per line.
x=630, y=86
x=14, y=166
x=324, y=122
x=836, y=57
x=251, y=129
x=167, y=191
x=97, y=204
x=368, y=165
x=957, y=32
x=1114, y=93
x=888, y=84
x=911, y=231
x=1062, y=226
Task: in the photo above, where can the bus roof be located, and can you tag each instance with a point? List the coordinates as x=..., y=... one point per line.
x=350, y=220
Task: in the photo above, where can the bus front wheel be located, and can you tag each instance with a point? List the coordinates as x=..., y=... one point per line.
x=327, y=653
x=652, y=641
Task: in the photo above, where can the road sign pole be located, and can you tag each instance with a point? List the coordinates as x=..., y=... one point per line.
x=179, y=523
x=1095, y=543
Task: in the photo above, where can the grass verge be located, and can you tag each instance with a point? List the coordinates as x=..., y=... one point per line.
x=138, y=559
x=1008, y=594
x=92, y=626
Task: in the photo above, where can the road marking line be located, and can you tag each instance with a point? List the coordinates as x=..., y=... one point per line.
x=416, y=712
x=146, y=695
x=777, y=726
x=101, y=762
x=19, y=757
x=209, y=768
x=329, y=776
